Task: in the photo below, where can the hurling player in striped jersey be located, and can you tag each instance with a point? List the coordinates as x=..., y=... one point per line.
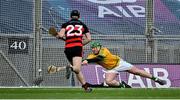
x=75, y=34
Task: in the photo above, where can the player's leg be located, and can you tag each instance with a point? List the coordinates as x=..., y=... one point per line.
x=76, y=66
x=125, y=66
x=137, y=71
x=110, y=76
x=112, y=82
x=110, y=79
x=77, y=69
x=74, y=56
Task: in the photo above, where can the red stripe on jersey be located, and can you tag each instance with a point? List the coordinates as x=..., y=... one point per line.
x=73, y=39
x=73, y=45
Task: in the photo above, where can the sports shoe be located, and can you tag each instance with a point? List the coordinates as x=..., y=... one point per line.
x=68, y=71
x=87, y=87
x=161, y=82
x=125, y=85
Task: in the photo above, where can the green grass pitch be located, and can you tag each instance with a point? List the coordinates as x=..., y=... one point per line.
x=97, y=93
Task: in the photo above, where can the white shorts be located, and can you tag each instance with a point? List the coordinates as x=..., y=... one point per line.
x=123, y=66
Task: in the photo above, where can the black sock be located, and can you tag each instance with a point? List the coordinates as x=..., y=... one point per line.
x=120, y=84
x=154, y=78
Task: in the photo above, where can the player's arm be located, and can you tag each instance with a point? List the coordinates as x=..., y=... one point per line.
x=86, y=38
x=93, y=60
x=96, y=59
x=61, y=34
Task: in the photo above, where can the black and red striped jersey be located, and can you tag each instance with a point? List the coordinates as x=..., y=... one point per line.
x=74, y=32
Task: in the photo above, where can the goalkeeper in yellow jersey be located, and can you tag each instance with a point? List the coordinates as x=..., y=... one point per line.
x=114, y=64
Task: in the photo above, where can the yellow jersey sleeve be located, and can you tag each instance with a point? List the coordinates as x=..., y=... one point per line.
x=109, y=60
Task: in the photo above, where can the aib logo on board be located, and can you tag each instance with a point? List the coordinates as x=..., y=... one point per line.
x=130, y=9
x=111, y=1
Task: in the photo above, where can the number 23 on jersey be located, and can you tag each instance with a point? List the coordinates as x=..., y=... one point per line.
x=71, y=28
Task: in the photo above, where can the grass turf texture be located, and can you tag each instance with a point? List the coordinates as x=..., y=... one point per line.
x=97, y=93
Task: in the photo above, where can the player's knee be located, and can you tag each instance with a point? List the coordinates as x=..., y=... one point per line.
x=109, y=82
x=76, y=70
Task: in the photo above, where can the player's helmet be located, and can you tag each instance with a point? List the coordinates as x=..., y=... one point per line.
x=94, y=44
x=75, y=13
